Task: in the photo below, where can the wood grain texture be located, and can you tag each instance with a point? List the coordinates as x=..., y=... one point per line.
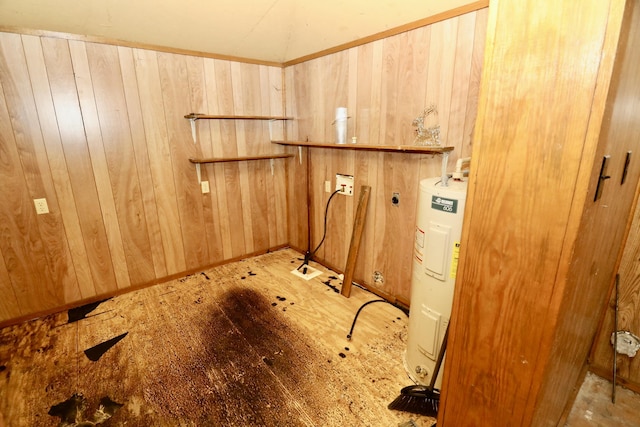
x=176, y=99
x=80, y=167
x=109, y=148
x=141, y=150
x=120, y=159
x=25, y=236
x=356, y=239
x=100, y=168
x=196, y=73
x=385, y=84
x=99, y=131
x=21, y=249
x=223, y=347
x=626, y=87
x=531, y=273
x=57, y=164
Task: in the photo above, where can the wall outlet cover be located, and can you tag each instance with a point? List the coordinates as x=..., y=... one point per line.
x=344, y=183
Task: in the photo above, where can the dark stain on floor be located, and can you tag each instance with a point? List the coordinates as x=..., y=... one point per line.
x=229, y=381
x=331, y=285
x=297, y=363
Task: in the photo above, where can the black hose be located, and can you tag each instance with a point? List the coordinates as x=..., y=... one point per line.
x=353, y=325
x=308, y=256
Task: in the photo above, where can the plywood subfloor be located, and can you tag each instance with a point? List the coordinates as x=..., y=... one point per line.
x=244, y=344
x=593, y=406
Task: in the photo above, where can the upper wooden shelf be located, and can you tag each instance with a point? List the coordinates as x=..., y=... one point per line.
x=388, y=148
x=240, y=159
x=196, y=116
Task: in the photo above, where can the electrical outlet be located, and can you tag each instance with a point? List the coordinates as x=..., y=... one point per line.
x=344, y=183
x=41, y=206
x=204, y=186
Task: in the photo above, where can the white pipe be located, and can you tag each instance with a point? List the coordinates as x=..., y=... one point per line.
x=459, y=174
x=444, y=181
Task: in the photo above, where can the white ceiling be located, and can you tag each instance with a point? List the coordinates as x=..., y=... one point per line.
x=267, y=30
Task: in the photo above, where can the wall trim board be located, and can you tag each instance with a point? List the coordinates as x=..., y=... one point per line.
x=96, y=298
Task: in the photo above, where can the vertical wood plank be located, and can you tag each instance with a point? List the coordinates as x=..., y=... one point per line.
x=477, y=56
x=213, y=148
x=362, y=159
x=277, y=103
x=441, y=71
x=296, y=167
x=198, y=102
x=70, y=124
x=20, y=246
x=86, y=97
x=61, y=281
x=356, y=239
x=160, y=161
x=460, y=91
x=266, y=101
x=175, y=95
x=227, y=146
x=243, y=105
x=115, y=130
x=138, y=137
x=84, y=287
x=9, y=305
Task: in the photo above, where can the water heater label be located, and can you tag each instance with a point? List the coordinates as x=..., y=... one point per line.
x=455, y=256
x=443, y=204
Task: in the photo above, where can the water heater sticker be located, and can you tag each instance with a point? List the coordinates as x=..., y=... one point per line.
x=455, y=255
x=443, y=204
x=419, y=237
x=418, y=252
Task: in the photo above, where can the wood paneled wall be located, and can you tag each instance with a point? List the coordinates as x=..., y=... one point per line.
x=385, y=85
x=99, y=131
x=627, y=84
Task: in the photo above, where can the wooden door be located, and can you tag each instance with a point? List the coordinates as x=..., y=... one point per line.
x=531, y=278
x=624, y=127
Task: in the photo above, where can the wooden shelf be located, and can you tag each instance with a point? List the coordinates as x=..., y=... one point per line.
x=387, y=148
x=195, y=116
x=239, y=159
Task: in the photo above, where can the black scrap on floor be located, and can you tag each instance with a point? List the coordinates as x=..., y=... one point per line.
x=79, y=313
x=94, y=353
x=71, y=411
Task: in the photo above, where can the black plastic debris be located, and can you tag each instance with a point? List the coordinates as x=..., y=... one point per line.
x=79, y=313
x=94, y=353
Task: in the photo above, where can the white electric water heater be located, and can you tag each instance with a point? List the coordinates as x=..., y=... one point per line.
x=435, y=260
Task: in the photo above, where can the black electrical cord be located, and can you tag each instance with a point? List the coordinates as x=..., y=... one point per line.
x=308, y=256
x=353, y=325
